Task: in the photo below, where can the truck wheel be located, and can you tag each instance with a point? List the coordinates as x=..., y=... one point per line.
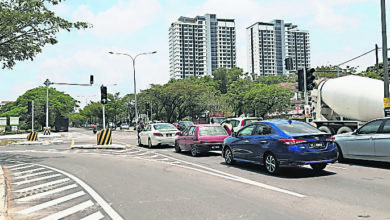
x=326, y=129
x=344, y=129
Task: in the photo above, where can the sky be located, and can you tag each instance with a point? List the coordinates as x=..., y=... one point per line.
x=339, y=30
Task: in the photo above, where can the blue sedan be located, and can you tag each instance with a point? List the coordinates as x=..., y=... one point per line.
x=278, y=144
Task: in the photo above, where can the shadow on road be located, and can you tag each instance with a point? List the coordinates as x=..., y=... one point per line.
x=285, y=172
x=367, y=163
x=11, y=158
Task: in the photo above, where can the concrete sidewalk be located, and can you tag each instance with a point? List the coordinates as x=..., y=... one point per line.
x=3, y=196
x=24, y=136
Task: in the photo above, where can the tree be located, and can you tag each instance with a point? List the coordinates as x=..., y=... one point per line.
x=26, y=26
x=59, y=104
x=268, y=99
x=114, y=107
x=236, y=94
x=225, y=77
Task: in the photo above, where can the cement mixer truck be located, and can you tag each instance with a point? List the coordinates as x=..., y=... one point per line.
x=343, y=104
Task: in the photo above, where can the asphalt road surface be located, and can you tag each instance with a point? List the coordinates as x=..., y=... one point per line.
x=57, y=182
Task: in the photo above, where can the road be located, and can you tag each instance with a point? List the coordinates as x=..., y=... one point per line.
x=141, y=183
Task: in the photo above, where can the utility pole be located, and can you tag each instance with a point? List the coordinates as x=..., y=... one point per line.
x=386, y=100
x=384, y=49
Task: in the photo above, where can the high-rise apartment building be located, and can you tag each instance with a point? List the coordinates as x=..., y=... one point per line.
x=200, y=45
x=269, y=44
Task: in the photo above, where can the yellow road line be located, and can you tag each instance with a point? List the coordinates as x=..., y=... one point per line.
x=72, y=144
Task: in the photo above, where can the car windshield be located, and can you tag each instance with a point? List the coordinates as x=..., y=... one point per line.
x=212, y=131
x=164, y=127
x=298, y=128
x=188, y=123
x=218, y=120
x=124, y=124
x=248, y=121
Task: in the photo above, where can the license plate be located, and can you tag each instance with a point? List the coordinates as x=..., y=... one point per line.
x=169, y=135
x=316, y=145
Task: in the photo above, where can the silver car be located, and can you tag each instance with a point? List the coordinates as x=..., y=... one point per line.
x=369, y=142
x=158, y=134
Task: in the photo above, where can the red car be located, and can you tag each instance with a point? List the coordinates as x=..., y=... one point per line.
x=201, y=138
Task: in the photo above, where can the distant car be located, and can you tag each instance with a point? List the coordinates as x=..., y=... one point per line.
x=158, y=134
x=369, y=142
x=124, y=126
x=201, y=138
x=217, y=120
x=280, y=144
x=184, y=124
x=237, y=123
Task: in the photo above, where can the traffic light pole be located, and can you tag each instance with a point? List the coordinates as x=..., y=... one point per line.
x=104, y=117
x=32, y=116
x=304, y=77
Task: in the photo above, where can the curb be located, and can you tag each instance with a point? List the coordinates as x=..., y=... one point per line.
x=3, y=196
x=94, y=146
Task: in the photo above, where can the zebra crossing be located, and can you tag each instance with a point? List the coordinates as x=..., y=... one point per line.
x=41, y=192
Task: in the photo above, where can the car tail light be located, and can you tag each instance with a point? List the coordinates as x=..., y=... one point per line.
x=157, y=134
x=200, y=142
x=242, y=123
x=178, y=133
x=292, y=141
x=331, y=139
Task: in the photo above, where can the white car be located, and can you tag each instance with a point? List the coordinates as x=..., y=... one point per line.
x=237, y=123
x=124, y=126
x=158, y=134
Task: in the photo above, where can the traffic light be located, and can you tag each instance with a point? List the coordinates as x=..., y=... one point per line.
x=29, y=107
x=310, y=79
x=289, y=63
x=147, y=107
x=300, y=80
x=103, y=91
x=91, y=79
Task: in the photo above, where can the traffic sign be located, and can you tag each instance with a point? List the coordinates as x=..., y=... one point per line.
x=386, y=102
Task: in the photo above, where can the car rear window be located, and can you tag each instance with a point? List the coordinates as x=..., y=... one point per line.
x=212, y=131
x=164, y=127
x=248, y=121
x=298, y=128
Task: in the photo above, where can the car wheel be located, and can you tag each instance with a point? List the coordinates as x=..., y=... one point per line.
x=150, y=143
x=194, y=151
x=340, y=156
x=177, y=147
x=139, y=141
x=271, y=164
x=318, y=166
x=229, y=156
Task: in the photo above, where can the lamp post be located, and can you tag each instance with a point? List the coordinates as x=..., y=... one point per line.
x=135, y=89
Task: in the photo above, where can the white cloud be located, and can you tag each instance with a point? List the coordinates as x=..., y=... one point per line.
x=125, y=18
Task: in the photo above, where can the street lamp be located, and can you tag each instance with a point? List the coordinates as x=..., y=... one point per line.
x=135, y=91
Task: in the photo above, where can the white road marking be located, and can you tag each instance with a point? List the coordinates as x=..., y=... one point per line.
x=42, y=185
x=94, y=216
x=107, y=208
x=215, y=172
x=33, y=174
x=28, y=171
x=16, y=165
x=70, y=211
x=36, y=179
x=20, y=168
x=39, y=195
x=337, y=167
x=51, y=203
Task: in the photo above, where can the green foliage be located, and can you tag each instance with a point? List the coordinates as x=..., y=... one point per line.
x=268, y=99
x=26, y=26
x=59, y=104
x=225, y=77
